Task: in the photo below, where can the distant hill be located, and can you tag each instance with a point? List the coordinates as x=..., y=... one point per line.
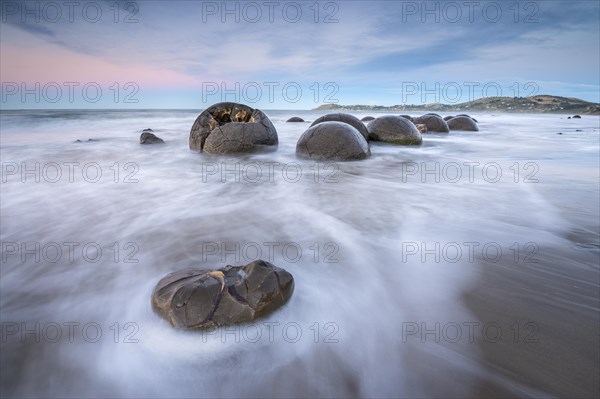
x=533, y=104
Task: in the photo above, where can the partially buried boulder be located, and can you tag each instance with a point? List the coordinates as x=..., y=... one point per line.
x=345, y=118
x=447, y=118
x=576, y=116
x=463, y=123
x=232, y=128
x=434, y=123
x=150, y=138
x=468, y=116
x=233, y=294
x=295, y=119
x=367, y=119
x=394, y=129
x=333, y=140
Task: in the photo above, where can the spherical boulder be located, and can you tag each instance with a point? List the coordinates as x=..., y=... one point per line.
x=394, y=129
x=367, y=119
x=346, y=118
x=234, y=294
x=333, y=140
x=463, y=123
x=468, y=116
x=434, y=123
x=295, y=119
x=231, y=128
x=410, y=118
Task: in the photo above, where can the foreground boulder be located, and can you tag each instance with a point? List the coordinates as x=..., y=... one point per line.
x=367, y=119
x=233, y=294
x=345, y=118
x=463, y=123
x=435, y=123
x=295, y=119
x=232, y=128
x=333, y=140
x=149, y=138
x=394, y=129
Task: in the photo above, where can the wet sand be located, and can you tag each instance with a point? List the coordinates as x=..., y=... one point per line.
x=559, y=354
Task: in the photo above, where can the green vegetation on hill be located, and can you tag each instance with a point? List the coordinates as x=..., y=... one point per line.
x=533, y=104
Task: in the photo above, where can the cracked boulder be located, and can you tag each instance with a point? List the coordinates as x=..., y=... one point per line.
x=395, y=130
x=463, y=123
x=345, y=118
x=434, y=122
x=334, y=141
x=232, y=128
x=233, y=294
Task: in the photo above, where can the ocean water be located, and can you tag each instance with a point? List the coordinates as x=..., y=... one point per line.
x=382, y=252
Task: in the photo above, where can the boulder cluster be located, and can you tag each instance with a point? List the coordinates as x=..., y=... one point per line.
x=237, y=294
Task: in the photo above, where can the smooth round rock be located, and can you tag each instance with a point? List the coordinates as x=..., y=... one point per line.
x=394, y=129
x=463, y=123
x=367, y=119
x=346, y=118
x=434, y=123
x=295, y=119
x=334, y=141
x=232, y=128
x=576, y=116
x=468, y=116
x=234, y=294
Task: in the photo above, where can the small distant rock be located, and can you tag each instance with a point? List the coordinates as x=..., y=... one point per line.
x=147, y=130
x=87, y=141
x=233, y=294
x=150, y=138
x=295, y=119
x=576, y=116
x=367, y=119
x=559, y=133
x=579, y=130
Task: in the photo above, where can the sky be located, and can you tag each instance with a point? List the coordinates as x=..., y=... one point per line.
x=293, y=54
